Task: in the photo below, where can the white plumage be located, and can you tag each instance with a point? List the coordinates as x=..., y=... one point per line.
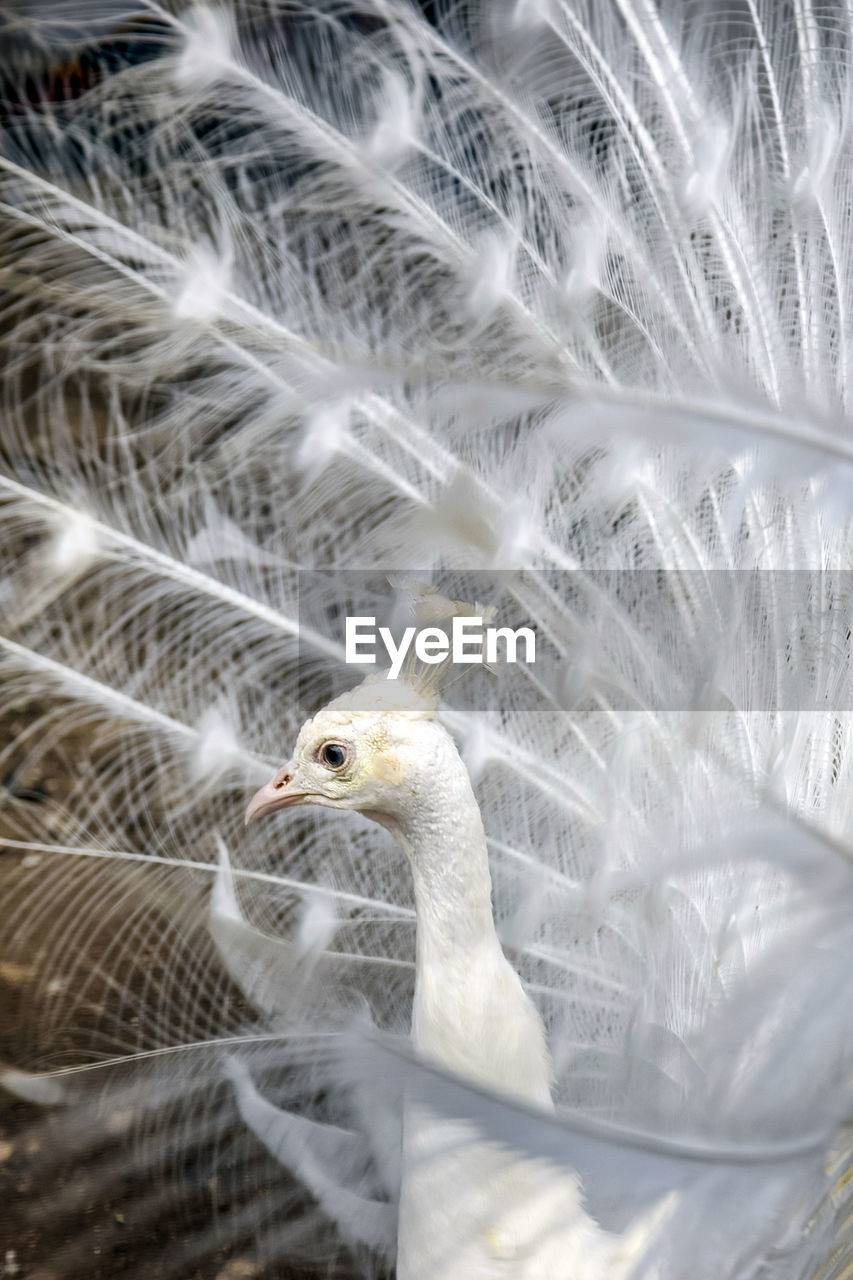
x=467, y=1208
x=555, y=292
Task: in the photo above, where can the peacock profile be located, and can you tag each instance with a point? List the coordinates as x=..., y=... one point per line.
x=338, y=309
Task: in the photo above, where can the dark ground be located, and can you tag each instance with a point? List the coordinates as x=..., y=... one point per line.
x=58, y=1218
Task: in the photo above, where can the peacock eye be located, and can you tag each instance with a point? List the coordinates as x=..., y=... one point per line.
x=333, y=755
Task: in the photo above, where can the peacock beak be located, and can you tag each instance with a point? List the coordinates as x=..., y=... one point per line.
x=276, y=794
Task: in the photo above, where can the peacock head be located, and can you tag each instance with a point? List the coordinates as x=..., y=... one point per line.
x=365, y=751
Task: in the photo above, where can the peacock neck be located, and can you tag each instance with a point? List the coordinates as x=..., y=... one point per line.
x=470, y=1010
x=444, y=838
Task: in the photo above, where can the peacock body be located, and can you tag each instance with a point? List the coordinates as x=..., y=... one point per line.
x=545, y=302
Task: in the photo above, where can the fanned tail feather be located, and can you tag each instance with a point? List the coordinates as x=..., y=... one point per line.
x=299, y=296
